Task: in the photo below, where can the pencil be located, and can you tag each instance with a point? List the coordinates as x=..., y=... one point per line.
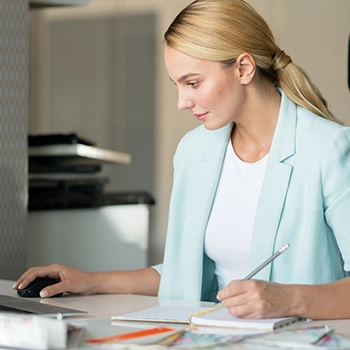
x=266, y=262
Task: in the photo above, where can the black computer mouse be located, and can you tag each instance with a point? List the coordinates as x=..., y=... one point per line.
x=33, y=289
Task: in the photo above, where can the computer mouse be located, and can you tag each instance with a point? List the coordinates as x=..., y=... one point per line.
x=33, y=289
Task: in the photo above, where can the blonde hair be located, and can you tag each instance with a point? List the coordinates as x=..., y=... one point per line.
x=220, y=30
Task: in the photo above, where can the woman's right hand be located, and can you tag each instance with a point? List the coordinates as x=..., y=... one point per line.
x=70, y=280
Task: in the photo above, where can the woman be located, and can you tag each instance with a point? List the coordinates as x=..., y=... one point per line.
x=270, y=165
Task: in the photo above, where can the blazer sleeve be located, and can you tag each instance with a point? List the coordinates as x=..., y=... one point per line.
x=336, y=190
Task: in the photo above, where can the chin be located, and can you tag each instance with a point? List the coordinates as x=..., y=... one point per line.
x=213, y=126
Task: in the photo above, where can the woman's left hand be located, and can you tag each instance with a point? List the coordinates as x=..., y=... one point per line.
x=257, y=299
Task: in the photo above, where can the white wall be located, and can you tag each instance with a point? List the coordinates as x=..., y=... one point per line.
x=314, y=33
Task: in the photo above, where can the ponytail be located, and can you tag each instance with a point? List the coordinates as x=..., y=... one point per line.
x=296, y=84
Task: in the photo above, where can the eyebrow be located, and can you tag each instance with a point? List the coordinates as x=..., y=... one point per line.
x=186, y=76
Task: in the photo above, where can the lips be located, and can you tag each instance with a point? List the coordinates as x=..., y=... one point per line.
x=200, y=116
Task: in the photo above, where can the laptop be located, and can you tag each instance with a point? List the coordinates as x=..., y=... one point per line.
x=24, y=306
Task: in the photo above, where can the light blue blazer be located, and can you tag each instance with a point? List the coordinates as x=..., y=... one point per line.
x=304, y=201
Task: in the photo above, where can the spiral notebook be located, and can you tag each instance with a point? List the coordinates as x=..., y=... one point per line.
x=216, y=316
x=219, y=316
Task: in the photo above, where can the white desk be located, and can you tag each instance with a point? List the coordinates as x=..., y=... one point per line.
x=101, y=307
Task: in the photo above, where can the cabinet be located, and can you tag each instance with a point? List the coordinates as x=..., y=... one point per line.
x=92, y=239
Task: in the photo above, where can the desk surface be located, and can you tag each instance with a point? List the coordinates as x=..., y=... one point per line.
x=101, y=307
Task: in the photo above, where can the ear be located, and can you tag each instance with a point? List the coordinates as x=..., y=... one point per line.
x=246, y=68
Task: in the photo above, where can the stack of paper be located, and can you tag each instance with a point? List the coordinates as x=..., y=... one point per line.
x=35, y=332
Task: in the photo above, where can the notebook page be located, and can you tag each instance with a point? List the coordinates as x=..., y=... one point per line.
x=173, y=314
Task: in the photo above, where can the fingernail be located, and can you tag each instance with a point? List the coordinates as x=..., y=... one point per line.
x=13, y=287
x=217, y=297
x=43, y=294
x=20, y=286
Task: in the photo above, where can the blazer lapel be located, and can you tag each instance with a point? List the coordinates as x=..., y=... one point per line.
x=207, y=175
x=274, y=188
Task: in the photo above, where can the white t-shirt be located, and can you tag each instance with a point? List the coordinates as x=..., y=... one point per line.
x=230, y=226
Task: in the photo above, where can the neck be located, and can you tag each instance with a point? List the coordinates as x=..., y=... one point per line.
x=252, y=135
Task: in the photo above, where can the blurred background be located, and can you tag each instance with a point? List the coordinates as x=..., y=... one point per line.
x=97, y=70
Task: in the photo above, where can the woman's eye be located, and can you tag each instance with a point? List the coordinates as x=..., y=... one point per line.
x=193, y=84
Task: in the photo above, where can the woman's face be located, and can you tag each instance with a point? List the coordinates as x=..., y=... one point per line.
x=213, y=93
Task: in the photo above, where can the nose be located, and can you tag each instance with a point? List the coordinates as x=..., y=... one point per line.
x=184, y=102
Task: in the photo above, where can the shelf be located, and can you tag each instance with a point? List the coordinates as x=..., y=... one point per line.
x=79, y=153
x=48, y=3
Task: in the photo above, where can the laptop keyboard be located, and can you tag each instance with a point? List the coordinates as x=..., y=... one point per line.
x=14, y=309
x=24, y=306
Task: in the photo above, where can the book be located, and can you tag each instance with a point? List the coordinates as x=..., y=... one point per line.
x=216, y=316
x=23, y=331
